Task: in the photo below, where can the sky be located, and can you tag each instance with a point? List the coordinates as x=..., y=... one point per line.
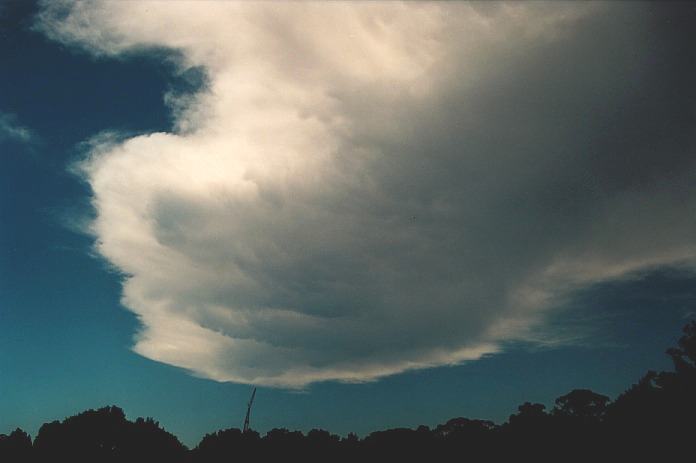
x=381, y=214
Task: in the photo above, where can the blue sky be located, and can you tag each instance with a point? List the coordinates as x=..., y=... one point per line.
x=67, y=340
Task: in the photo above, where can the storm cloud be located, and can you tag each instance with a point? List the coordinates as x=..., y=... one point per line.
x=360, y=189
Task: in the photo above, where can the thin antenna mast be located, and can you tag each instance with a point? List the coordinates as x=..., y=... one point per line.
x=246, y=418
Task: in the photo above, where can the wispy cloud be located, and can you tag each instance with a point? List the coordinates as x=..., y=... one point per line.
x=11, y=130
x=364, y=188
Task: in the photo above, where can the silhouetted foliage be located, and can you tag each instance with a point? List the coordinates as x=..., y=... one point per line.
x=106, y=435
x=529, y=415
x=15, y=447
x=654, y=418
x=661, y=407
x=582, y=404
x=684, y=356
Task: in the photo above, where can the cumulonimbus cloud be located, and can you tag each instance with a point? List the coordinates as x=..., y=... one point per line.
x=364, y=188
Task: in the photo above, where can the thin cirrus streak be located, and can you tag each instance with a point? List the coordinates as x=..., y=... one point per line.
x=366, y=188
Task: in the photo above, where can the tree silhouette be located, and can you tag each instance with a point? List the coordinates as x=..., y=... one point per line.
x=219, y=446
x=660, y=408
x=684, y=355
x=15, y=447
x=105, y=435
x=582, y=404
x=654, y=418
x=529, y=414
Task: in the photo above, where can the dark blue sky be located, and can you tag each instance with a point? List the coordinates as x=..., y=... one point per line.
x=65, y=339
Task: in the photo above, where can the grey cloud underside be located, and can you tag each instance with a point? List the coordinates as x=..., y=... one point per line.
x=439, y=225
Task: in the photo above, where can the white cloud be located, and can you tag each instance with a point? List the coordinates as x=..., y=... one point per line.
x=366, y=188
x=11, y=130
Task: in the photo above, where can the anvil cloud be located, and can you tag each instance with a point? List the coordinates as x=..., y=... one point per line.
x=364, y=188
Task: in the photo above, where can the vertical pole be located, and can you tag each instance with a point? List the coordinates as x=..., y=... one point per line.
x=248, y=413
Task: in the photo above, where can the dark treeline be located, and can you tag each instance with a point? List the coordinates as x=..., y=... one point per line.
x=653, y=419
